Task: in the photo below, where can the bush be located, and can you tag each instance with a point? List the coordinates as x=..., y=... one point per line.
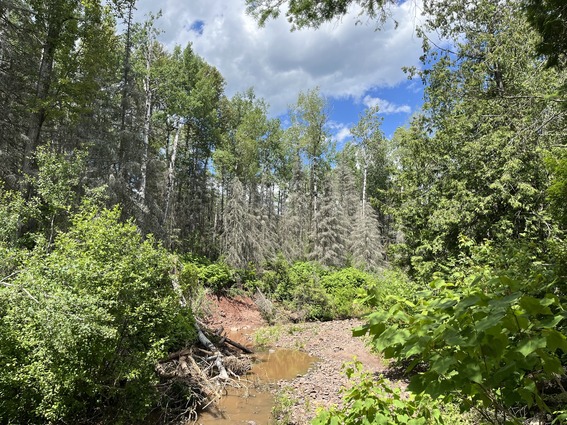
x=83, y=326
x=298, y=274
x=344, y=286
x=217, y=276
x=495, y=350
x=388, y=287
x=371, y=401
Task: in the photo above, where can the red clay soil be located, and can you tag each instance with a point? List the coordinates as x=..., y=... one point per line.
x=239, y=317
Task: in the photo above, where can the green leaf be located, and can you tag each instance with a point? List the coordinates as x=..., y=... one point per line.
x=534, y=306
x=360, y=331
x=442, y=364
x=528, y=345
x=473, y=372
x=555, y=340
x=490, y=321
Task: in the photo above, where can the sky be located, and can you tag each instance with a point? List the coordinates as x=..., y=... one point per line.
x=354, y=65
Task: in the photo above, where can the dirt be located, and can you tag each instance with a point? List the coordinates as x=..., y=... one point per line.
x=331, y=342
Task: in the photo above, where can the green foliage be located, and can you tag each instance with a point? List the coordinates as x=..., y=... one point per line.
x=14, y=214
x=275, y=275
x=377, y=401
x=312, y=13
x=387, y=287
x=83, y=325
x=548, y=18
x=58, y=178
x=299, y=287
x=284, y=401
x=217, y=276
x=267, y=336
x=490, y=349
x=314, y=292
x=298, y=274
x=557, y=191
x=343, y=286
x=473, y=164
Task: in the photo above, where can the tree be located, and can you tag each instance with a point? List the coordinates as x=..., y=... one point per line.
x=308, y=120
x=549, y=18
x=312, y=13
x=472, y=164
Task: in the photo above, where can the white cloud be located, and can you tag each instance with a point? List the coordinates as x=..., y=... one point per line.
x=343, y=135
x=384, y=106
x=343, y=59
x=340, y=132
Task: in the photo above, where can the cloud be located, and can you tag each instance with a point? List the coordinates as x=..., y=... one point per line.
x=384, y=106
x=340, y=132
x=344, y=59
x=343, y=135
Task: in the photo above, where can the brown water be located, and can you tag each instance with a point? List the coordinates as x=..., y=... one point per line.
x=254, y=402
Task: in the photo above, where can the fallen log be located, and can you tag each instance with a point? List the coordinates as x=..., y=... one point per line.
x=176, y=355
x=225, y=339
x=223, y=374
x=237, y=345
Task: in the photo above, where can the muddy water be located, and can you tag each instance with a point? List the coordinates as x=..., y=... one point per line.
x=253, y=402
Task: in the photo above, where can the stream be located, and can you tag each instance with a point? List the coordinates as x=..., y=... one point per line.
x=252, y=404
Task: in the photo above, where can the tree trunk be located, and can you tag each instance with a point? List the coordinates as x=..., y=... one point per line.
x=43, y=85
x=364, y=177
x=147, y=126
x=171, y=177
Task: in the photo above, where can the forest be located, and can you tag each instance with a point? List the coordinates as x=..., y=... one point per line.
x=129, y=180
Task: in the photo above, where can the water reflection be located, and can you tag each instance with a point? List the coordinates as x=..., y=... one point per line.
x=282, y=364
x=249, y=404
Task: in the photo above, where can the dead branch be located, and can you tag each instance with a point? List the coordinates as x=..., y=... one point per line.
x=237, y=345
x=223, y=375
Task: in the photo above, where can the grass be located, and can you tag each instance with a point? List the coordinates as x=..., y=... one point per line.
x=284, y=401
x=267, y=336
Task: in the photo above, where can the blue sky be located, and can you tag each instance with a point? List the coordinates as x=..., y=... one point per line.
x=354, y=65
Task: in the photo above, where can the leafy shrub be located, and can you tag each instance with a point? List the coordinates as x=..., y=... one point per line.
x=189, y=279
x=372, y=401
x=275, y=275
x=344, y=286
x=388, y=287
x=217, y=276
x=496, y=350
x=311, y=301
x=83, y=325
x=298, y=274
x=302, y=291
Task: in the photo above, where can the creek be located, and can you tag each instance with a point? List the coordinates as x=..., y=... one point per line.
x=253, y=402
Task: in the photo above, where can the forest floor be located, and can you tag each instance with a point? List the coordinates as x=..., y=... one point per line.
x=331, y=343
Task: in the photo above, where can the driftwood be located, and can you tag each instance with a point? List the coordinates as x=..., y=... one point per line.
x=193, y=378
x=176, y=355
x=223, y=374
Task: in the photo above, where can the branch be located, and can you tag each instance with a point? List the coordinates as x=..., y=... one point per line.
x=223, y=374
x=18, y=287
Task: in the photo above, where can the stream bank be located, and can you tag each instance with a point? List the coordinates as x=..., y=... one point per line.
x=331, y=342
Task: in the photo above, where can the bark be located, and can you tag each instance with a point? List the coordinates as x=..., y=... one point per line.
x=147, y=126
x=223, y=374
x=43, y=85
x=171, y=174
x=364, y=177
